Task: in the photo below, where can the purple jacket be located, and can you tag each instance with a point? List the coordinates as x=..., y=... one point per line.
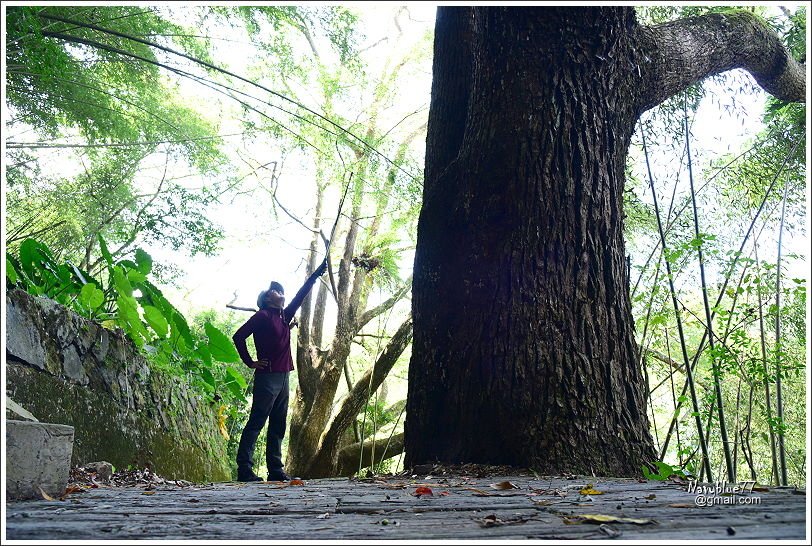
x=271, y=331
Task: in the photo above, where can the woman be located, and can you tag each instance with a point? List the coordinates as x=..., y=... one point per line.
x=270, y=327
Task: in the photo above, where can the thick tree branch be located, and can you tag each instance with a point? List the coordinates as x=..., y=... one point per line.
x=370, y=314
x=357, y=397
x=677, y=54
x=348, y=457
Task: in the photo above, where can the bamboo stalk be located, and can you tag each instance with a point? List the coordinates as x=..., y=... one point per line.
x=650, y=401
x=717, y=385
x=643, y=352
x=736, y=427
x=673, y=397
x=708, y=431
x=681, y=210
x=767, y=398
x=779, y=400
x=746, y=449
x=727, y=280
x=688, y=371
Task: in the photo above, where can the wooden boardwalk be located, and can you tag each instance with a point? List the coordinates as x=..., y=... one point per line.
x=496, y=507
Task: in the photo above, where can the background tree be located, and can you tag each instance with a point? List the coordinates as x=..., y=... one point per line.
x=73, y=97
x=363, y=157
x=529, y=128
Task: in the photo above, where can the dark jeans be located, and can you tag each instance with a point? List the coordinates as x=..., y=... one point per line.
x=270, y=403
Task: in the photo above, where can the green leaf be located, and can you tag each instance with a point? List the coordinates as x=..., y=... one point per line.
x=205, y=355
x=11, y=273
x=234, y=375
x=130, y=321
x=205, y=373
x=121, y=282
x=135, y=276
x=37, y=262
x=178, y=326
x=663, y=469
x=91, y=296
x=235, y=389
x=104, y=252
x=64, y=274
x=156, y=320
x=144, y=261
x=79, y=274
x=221, y=347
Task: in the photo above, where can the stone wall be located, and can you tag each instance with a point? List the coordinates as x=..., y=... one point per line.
x=67, y=370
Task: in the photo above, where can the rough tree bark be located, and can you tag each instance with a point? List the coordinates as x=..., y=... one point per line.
x=524, y=349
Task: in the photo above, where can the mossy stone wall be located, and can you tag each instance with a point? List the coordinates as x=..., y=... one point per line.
x=68, y=370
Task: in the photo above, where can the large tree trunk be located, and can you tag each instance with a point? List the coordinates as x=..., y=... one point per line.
x=524, y=349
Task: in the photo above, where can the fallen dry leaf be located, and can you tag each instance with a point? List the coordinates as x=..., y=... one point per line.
x=490, y=521
x=74, y=489
x=296, y=482
x=148, y=493
x=589, y=490
x=602, y=518
x=423, y=491
x=444, y=493
x=45, y=495
x=478, y=492
x=504, y=485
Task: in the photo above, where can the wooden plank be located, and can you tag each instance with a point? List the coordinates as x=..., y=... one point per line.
x=344, y=509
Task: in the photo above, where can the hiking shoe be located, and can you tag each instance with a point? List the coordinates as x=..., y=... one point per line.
x=248, y=477
x=278, y=476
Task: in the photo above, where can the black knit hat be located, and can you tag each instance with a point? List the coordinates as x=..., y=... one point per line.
x=276, y=286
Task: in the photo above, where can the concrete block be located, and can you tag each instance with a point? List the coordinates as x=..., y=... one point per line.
x=37, y=456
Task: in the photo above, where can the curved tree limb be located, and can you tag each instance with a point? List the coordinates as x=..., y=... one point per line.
x=348, y=457
x=370, y=314
x=354, y=402
x=677, y=54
